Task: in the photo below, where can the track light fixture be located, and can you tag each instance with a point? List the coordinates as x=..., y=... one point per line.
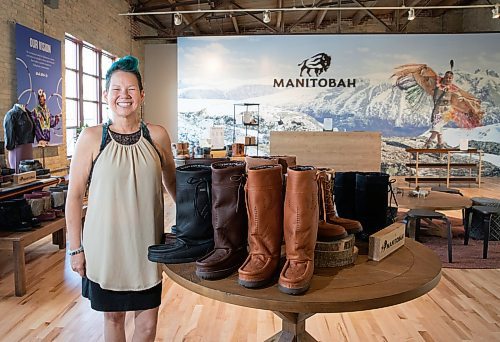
x=177, y=19
x=411, y=13
x=496, y=12
x=266, y=17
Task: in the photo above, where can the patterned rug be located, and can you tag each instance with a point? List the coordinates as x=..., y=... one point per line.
x=470, y=256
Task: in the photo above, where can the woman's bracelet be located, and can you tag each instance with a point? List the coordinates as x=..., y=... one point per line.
x=75, y=251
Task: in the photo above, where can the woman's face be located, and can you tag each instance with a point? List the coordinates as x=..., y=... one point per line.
x=123, y=96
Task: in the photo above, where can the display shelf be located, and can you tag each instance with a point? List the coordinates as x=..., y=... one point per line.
x=251, y=109
x=17, y=190
x=474, y=167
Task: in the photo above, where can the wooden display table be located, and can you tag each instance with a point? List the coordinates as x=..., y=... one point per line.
x=434, y=201
x=17, y=241
x=408, y=273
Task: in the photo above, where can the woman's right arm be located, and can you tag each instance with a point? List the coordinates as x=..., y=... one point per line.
x=86, y=150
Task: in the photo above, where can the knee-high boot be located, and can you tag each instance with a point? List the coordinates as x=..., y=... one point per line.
x=253, y=161
x=371, y=201
x=194, y=233
x=229, y=220
x=327, y=208
x=301, y=214
x=265, y=225
x=344, y=191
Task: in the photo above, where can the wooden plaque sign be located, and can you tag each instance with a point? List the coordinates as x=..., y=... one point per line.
x=386, y=241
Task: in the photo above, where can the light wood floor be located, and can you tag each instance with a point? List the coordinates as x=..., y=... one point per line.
x=464, y=306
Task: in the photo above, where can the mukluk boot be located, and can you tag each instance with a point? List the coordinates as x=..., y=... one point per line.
x=285, y=161
x=264, y=203
x=253, y=161
x=229, y=220
x=327, y=208
x=194, y=236
x=344, y=191
x=300, y=227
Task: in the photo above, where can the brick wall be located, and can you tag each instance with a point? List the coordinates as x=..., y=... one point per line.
x=94, y=21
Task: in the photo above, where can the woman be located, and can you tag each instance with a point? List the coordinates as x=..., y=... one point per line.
x=124, y=162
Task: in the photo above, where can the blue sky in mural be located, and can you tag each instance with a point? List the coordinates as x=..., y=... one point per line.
x=231, y=61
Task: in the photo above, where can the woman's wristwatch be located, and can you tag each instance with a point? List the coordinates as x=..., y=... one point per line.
x=75, y=251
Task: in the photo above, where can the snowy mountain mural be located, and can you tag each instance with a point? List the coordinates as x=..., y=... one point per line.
x=216, y=73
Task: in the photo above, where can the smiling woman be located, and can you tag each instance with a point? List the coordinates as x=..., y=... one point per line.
x=123, y=163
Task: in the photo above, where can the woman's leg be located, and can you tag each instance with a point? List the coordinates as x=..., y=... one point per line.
x=145, y=325
x=114, y=326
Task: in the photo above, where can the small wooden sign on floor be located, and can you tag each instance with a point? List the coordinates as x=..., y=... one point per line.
x=386, y=241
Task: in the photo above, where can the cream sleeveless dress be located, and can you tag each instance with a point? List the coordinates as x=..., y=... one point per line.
x=124, y=216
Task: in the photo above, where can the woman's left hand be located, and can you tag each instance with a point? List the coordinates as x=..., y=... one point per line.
x=78, y=263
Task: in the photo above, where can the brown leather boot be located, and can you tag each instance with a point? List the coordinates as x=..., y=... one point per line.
x=229, y=219
x=265, y=225
x=286, y=161
x=326, y=231
x=253, y=161
x=300, y=229
x=327, y=208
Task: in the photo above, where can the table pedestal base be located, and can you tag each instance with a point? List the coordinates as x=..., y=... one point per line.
x=293, y=328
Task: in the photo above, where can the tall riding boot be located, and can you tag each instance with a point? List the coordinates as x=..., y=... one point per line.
x=253, y=161
x=194, y=233
x=371, y=201
x=327, y=231
x=265, y=225
x=229, y=219
x=285, y=161
x=328, y=209
x=300, y=229
x=344, y=191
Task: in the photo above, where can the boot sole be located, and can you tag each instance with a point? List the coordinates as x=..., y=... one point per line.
x=219, y=274
x=293, y=292
x=254, y=284
x=332, y=238
x=354, y=230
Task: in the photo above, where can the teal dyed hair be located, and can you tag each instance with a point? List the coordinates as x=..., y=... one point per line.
x=127, y=64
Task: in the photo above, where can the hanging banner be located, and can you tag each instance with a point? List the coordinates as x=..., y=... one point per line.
x=39, y=83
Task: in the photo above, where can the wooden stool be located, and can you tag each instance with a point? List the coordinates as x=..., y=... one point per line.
x=419, y=214
x=485, y=212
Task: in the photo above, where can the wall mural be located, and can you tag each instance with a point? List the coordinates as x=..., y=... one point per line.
x=418, y=90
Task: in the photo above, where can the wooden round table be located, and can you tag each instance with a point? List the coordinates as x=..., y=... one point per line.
x=434, y=201
x=408, y=273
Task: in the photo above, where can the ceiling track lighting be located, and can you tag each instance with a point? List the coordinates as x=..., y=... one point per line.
x=266, y=12
x=177, y=19
x=266, y=16
x=496, y=12
x=411, y=13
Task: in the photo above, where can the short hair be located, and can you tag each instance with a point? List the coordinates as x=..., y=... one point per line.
x=127, y=64
x=448, y=72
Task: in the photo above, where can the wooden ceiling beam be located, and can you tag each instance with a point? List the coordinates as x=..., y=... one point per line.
x=370, y=13
x=279, y=15
x=359, y=15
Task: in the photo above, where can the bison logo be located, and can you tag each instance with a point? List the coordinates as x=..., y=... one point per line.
x=319, y=63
